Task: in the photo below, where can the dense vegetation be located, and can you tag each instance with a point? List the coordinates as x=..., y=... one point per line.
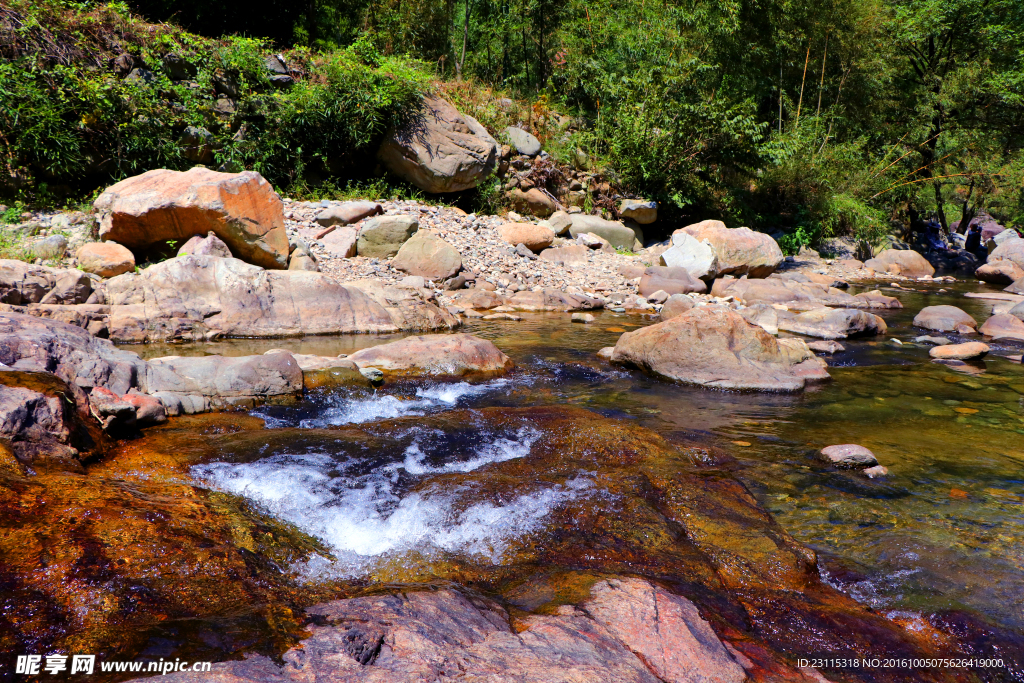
x=816, y=118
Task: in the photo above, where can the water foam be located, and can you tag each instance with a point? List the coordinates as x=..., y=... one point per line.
x=364, y=516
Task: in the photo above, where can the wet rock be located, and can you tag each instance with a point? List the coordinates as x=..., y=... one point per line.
x=739, y=251
x=875, y=472
x=967, y=351
x=830, y=347
x=535, y=237
x=383, y=236
x=348, y=212
x=148, y=409
x=670, y=280
x=875, y=299
x=440, y=150
x=697, y=257
x=719, y=349
x=828, y=323
x=1001, y=272
x=582, y=318
x=342, y=242
x=446, y=355
x=225, y=380
x=1005, y=326
x=523, y=141
x=849, y=455
x=944, y=319
x=573, y=254
x=643, y=212
x=906, y=262
x=201, y=297
x=427, y=255
x=40, y=420
x=113, y=413
x=240, y=208
x=210, y=245
x=617, y=234
x=937, y=341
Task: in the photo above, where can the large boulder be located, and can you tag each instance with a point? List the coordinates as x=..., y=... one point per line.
x=409, y=308
x=1009, y=250
x=997, y=238
x=1001, y=272
x=906, y=262
x=717, y=348
x=740, y=251
x=698, y=257
x=227, y=379
x=534, y=201
x=441, y=354
x=523, y=141
x=670, y=280
x=24, y=284
x=440, y=150
x=966, y=351
x=383, y=236
x=240, y=208
x=1016, y=288
x=945, y=319
x=643, y=212
x=41, y=420
x=615, y=232
x=535, y=237
x=1004, y=326
x=829, y=323
x=429, y=256
x=202, y=297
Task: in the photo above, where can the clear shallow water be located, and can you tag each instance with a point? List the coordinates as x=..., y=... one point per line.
x=945, y=530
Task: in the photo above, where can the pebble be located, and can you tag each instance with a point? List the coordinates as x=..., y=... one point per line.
x=849, y=455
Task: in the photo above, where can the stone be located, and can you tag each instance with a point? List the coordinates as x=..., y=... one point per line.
x=572, y=255
x=1017, y=310
x=560, y=222
x=302, y=259
x=438, y=149
x=658, y=297
x=429, y=256
x=553, y=300
x=148, y=409
x=1004, y=326
x=534, y=201
x=943, y=319
x=849, y=455
x=617, y=234
x=967, y=351
x=875, y=472
x=342, y=242
x=211, y=245
x=829, y=347
x=23, y=283
x=592, y=241
x=631, y=271
x=523, y=141
x=225, y=378
x=348, y=212
x=455, y=355
x=524, y=251
x=106, y=259
x=582, y=318
x=935, y=341
x=112, y=412
x=240, y=208
x=383, y=236
x=49, y=248
x=605, y=353
x=739, y=251
x=764, y=316
x=717, y=348
x=829, y=323
x=480, y=299
x=643, y=212
x=197, y=144
x=850, y=263
x=675, y=305
x=671, y=280
x=1009, y=250
x=535, y=237
x=1001, y=272
x=697, y=257
x=1017, y=287
x=39, y=419
x=906, y=262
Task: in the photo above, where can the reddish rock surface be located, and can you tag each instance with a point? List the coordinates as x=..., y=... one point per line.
x=1000, y=272
x=535, y=237
x=442, y=354
x=967, y=351
x=105, y=259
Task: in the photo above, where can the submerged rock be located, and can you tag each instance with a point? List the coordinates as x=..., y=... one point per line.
x=849, y=455
x=719, y=349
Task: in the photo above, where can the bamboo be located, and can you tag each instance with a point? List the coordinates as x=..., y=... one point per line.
x=821, y=84
x=807, y=59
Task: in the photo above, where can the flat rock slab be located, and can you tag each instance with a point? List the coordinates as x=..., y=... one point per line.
x=452, y=355
x=936, y=341
x=348, y=212
x=967, y=351
x=849, y=455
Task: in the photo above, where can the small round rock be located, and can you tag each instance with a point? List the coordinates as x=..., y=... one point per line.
x=849, y=455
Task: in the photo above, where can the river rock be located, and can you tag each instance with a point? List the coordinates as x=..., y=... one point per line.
x=341, y=242
x=203, y=297
x=994, y=236
x=1017, y=310
x=1001, y=272
x=739, y=251
x=671, y=280
x=675, y=305
x=523, y=141
x=303, y=259
x=934, y=341
x=944, y=319
x=687, y=252
x=383, y=236
x=453, y=355
x=764, y=316
x=227, y=380
x=617, y=234
x=348, y=212
x=211, y=245
x=719, y=349
x=1016, y=288
x=438, y=149
x=40, y=419
x=849, y=455
x=828, y=347
x=159, y=205
x=480, y=299
x=535, y=237
x=534, y=201
x=1005, y=326
x=429, y=256
x=967, y=351
x=829, y=323
x=799, y=295
x=572, y=255
x=560, y=222
x=643, y=212
x=585, y=318
x=1009, y=250
x=50, y=247
x=906, y=262
x=553, y=300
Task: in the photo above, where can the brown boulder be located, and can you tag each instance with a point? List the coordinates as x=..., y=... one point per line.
x=676, y=305
x=1001, y=272
x=427, y=255
x=906, y=262
x=534, y=201
x=1003, y=326
x=240, y=208
x=40, y=420
x=441, y=354
x=573, y=254
x=717, y=348
x=670, y=280
x=535, y=237
x=105, y=259
x=739, y=251
x=944, y=319
x=968, y=351
x=440, y=150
